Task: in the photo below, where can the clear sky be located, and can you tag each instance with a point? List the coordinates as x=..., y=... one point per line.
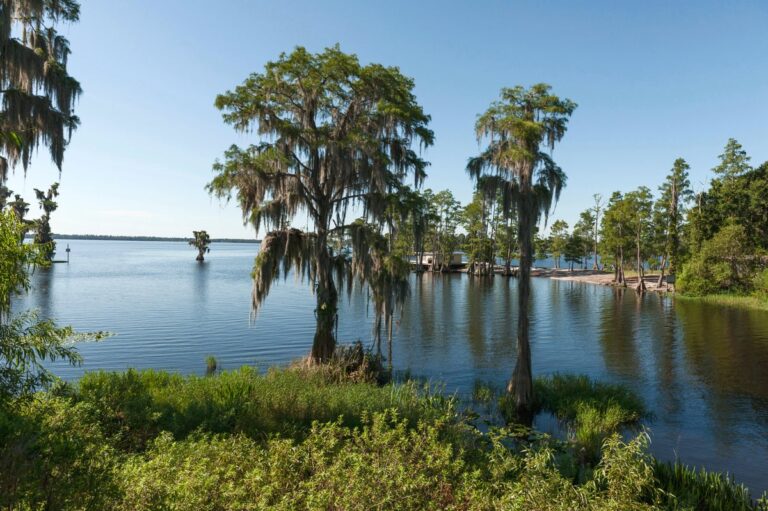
x=654, y=80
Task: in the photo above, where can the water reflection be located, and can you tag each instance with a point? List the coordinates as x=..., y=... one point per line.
x=43, y=278
x=617, y=333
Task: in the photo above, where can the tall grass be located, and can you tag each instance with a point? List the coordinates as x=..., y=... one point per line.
x=686, y=488
x=590, y=409
x=137, y=404
x=750, y=302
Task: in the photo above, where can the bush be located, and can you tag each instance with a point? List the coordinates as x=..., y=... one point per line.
x=760, y=284
x=722, y=265
x=386, y=464
x=55, y=456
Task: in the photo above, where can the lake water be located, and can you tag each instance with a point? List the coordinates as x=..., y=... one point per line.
x=702, y=369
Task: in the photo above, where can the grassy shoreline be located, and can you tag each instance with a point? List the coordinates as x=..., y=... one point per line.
x=747, y=302
x=301, y=438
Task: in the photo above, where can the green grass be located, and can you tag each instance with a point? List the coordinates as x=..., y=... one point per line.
x=686, y=488
x=137, y=404
x=591, y=410
x=567, y=396
x=729, y=300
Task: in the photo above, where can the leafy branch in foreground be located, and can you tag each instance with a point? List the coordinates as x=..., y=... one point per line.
x=25, y=340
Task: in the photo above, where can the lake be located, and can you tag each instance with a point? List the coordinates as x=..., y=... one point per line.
x=702, y=369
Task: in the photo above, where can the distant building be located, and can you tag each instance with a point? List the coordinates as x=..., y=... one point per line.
x=428, y=258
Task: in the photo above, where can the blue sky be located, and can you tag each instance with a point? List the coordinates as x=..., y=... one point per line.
x=654, y=81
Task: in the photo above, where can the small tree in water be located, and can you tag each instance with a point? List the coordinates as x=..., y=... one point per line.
x=334, y=135
x=43, y=225
x=201, y=243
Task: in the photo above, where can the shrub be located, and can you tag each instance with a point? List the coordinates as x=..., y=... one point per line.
x=760, y=284
x=722, y=265
x=385, y=464
x=55, y=457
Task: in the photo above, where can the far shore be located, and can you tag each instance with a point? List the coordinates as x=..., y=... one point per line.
x=601, y=278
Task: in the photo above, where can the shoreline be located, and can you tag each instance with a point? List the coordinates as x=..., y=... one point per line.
x=602, y=278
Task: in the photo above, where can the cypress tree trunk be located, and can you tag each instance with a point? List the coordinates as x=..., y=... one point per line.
x=389, y=341
x=508, y=261
x=324, y=342
x=595, y=266
x=661, y=276
x=521, y=384
x=640, y=283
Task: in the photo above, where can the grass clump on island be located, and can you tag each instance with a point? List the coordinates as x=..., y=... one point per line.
x=297, y=438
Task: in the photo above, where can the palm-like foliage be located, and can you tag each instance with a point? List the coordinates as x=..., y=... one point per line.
x=201, y=242
x=334, y=136
x=38, y=95
x=518, y=129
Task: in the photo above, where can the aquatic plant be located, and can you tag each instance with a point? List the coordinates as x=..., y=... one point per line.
x=683, y=487
x=211, y=365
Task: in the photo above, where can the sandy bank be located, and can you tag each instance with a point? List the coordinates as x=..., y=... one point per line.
x=600, y=278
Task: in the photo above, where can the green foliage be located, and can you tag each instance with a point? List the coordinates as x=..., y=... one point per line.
x=16, y=259
x=760, y=284
x=592, y=410
x=558, y=240
x=446, y=213
x=201, y=241
x=211, y=365
x=334, y=136
x=685, y=488
x=479, y=221
x=734, y=161
x=565, y=394
x=542, y=248
x=26, y=343
x=43, y=236
x=738, y=195
x=136, y=405
x=53, y=455
x=383, y=465
x=723, y=264
x=153, y=440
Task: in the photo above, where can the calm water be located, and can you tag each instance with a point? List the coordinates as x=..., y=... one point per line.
x=702, y=369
